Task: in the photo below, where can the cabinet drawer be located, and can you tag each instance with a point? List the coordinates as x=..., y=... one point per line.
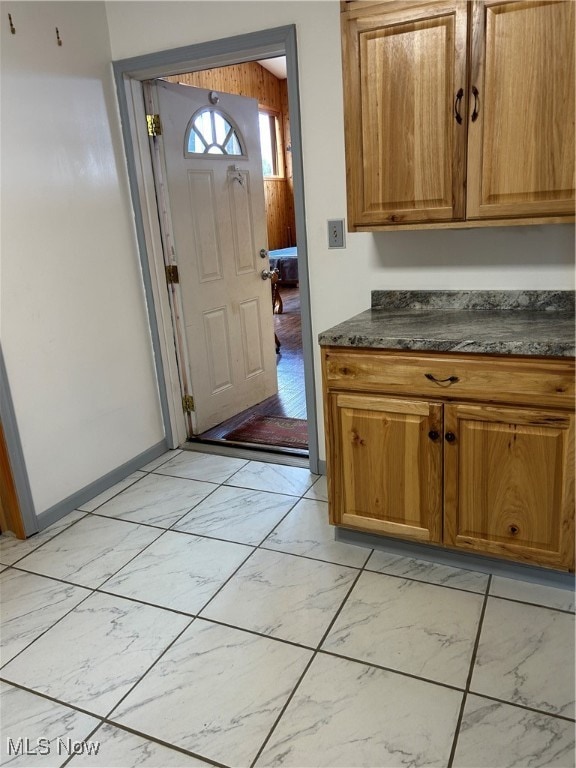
x=534, y=381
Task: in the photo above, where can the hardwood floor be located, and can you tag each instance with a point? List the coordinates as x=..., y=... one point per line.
x=291, y=398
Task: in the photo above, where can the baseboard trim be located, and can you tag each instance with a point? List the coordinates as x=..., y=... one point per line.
x=62, y=508
x=468, y=561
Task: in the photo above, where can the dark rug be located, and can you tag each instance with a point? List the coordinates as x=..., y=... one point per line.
x=272, y=430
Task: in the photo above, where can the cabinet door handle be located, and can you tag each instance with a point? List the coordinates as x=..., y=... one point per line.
x=449, y=380
x=450, y=437
x=457, y=104
x=476, y=111
x=433, y=435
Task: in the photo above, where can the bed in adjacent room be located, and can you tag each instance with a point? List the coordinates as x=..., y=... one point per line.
x=285, y=260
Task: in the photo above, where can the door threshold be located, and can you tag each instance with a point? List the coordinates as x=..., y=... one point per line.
x=271, y=454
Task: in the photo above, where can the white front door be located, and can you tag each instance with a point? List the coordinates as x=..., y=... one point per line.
x=217, y=218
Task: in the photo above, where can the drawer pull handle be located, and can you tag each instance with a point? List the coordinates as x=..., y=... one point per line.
x=433, y=435
x=513, y=529
x=449, y=380
x=450, y=437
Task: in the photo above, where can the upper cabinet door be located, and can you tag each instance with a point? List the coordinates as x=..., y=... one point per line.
x=406, y=146
x=521, y=110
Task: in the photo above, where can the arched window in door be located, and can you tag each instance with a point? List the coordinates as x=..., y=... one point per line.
x=211, y=132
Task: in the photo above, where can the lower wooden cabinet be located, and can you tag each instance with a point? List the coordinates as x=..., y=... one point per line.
x=390, y=470
x=509, y=483
x=487, y=477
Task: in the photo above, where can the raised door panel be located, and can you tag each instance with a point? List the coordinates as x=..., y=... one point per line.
x=243, y=240
x=202, y=209
x=388, y=469
x=521, y=128
x=405, y=149
x=509, y=483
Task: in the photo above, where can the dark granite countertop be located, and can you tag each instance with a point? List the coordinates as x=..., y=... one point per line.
x=487, y=322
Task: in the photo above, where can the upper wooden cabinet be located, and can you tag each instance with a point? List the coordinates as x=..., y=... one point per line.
x=458, y=113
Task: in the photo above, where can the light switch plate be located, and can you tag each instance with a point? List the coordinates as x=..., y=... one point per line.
x=336, y=233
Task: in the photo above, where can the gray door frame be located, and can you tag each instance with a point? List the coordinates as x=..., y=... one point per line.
x=129, y=74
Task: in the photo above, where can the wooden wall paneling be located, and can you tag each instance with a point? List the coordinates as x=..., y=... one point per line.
x=289, y=201
x=249, y=79
x=277, y=213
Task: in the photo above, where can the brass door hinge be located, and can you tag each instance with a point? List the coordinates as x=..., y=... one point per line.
x=188, y=403
x=154, y=125
x=172, y=274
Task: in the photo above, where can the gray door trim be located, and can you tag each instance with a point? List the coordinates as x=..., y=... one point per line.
x=15, y=454
x=218, y=53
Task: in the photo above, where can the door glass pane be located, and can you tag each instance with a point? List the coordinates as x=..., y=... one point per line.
x=196, y=143
x=211, y=132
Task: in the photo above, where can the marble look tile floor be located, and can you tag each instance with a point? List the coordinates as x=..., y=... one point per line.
x=200, y=613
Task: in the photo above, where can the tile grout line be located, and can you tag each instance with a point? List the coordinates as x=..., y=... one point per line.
x=516, y=705
x=97, y=513
x=53, y=699
x=85, y=513
x=84, y=740
x=100, y=589
x=326, y=652
x=259, y=546
x=93, y=591
x=20, y=567
x=402, y=673
x=430, y=583
x=193, y=616
x=148, y=669
x=130, y=485
x=170, y=645
x=103, y=720
x=153, y=739
x=43, y=544
x=31, y=643
x=307, y=667
x=470, y=673
x=534, y=605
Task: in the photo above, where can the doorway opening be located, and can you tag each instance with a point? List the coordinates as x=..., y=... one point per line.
x=130, y=76
x=277, y=423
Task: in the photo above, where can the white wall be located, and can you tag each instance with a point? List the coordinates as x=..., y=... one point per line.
x=341, y=281
x=72, y=313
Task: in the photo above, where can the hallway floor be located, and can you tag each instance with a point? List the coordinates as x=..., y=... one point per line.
x=201, y=613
